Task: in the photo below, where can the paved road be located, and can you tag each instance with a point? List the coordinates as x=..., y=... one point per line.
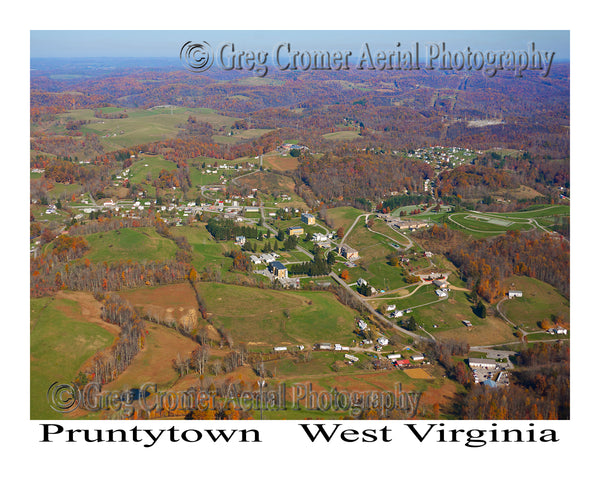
x=375, y=313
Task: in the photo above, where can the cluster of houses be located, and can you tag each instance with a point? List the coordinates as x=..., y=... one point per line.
x=328, y=346
x=51, y=209
x=443, y=156
x=361, y=282
x=266, y=258
x=286, y=147
x=284, y=349
x=557, y=331
x=393, y=313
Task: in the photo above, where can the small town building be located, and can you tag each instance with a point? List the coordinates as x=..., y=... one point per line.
x=482, y=363
x=295, y=231
x=278, y=269
x=308, y=218
x=515, y=293
x=348, y=252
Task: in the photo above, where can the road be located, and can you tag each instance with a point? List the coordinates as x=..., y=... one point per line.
x=375, y=313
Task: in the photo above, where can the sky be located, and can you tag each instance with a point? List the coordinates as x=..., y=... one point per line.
x=167, y=43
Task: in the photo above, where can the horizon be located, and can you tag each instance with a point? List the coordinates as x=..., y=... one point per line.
x=82, y=44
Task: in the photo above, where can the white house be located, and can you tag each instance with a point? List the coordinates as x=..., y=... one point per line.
x=417, y=358
x=441, y=293
x=361, y=282
x=383, y=341
x=515, y=293
x=279, y=349
x=391, y=308
x=396, y=314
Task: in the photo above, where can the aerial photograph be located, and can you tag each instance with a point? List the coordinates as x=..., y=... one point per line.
x=299, y=225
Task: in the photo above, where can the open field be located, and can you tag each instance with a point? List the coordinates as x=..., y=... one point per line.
x=270, y=183
x=278, y=162
x=149, y=166
x=479, y=225
x=263, y=316
x=406, y=209
x=535, y=211
x=381, y=227
x=344, y=135
x=240, y=136
x=418, y=373
x=540, y=302
x=129, y=244
x=143, y=126
x=343, y=216
x=205, y=250
x=260, y=316
x=61, y=340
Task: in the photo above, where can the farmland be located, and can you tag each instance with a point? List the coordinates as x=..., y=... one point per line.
x=62, y=339
x=129, y=244
x=142, y=126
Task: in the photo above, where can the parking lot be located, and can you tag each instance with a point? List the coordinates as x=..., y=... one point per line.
x=497, y=374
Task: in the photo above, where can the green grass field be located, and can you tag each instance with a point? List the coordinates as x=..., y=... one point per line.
x=483, y=225
x=149, y=165
x=257, y=315
x=241, y=136
x=539, y=302
x=381, y=227
x=59, y=344
x=143, y=126
x=136, y=244
x=344, y=135
x=343, y=216
x=205, y=251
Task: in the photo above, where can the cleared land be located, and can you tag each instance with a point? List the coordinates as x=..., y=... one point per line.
x=540, y=302
x=344, y=135
x=262, y=316
x=61, y=340
x=129, y=244
x=143, y=126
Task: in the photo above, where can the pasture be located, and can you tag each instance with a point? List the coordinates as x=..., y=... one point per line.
x=61, y=340
x=342, y=136
x=143, y=126
x=136, y=244
x=540, y=301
